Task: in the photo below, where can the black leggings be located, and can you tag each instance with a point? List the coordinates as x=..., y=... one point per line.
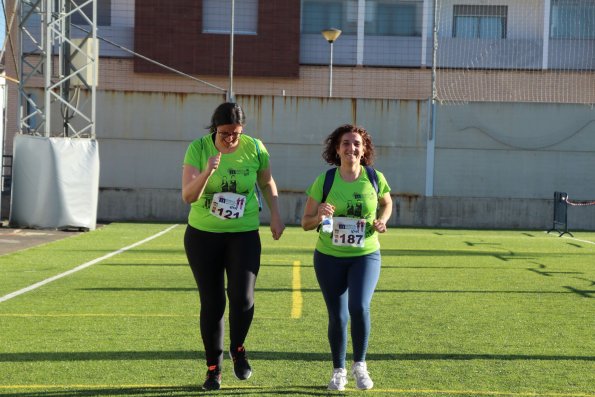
x=211, y=255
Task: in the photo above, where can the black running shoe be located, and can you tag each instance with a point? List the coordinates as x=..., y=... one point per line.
x=213, y=381
x=241, y=367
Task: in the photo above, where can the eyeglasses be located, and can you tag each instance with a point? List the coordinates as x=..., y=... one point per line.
x=229, y=135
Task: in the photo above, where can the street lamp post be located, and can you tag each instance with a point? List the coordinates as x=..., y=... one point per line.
x=230, y=95
x=331, y=35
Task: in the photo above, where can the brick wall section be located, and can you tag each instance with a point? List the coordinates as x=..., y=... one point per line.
x=349, y=82
x=118, y=74
x=171, y=33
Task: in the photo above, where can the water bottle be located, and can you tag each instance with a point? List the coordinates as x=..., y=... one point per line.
x=327, y=224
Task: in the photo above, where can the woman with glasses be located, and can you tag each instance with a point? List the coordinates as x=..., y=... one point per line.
x=356, y=197
x=220, y=172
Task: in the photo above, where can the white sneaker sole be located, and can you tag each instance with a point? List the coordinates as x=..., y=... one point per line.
x=365, y=388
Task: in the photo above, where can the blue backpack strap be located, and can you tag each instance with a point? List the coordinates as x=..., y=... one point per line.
x=373, y=177
x=256, y=188
x=257, y=149
x=329, y=178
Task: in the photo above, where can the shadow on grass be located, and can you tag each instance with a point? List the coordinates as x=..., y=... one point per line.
x=272, y=356
x=289, y=264
x=569, y=290
x=177, y=391
x=504, y=255
x=162, y=264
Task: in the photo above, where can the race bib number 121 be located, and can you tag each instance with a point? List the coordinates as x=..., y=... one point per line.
x=228, y=205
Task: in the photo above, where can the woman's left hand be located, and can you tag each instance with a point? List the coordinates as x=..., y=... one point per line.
x=379, y=226
x=277, y=227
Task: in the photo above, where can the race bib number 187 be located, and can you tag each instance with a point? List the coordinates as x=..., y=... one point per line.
x=349, y=232
x=228, y=205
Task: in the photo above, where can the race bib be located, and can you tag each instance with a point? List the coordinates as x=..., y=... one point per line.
x=228, y=205
x=349, y=232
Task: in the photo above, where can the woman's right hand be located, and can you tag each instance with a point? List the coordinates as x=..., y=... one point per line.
x=325, y=209
x=213, y=163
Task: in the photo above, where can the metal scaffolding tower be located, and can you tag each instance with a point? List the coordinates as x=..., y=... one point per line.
x=58, y=73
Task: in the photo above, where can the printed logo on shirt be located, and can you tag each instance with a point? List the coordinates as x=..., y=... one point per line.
x=229, y=183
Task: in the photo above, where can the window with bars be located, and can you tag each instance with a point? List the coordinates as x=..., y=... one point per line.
x=318, y=15
x=572, y=19
x=479, y=21
x=216, y=16
x=394, y=18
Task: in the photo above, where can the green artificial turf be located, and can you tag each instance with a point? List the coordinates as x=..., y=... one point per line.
x=456, y=313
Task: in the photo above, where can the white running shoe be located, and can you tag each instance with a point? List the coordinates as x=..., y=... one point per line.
x=338, y=380
x=359, y=370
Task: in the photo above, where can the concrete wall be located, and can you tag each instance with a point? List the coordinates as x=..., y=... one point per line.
x=496, y=165
x=522, y=151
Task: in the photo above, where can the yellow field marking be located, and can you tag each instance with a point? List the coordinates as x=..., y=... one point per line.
x=131, y=386
x=296, y=295
x=157, y=260
x=275, y=260
x=25, y=315
x=17, y=387
x=156, y=315
x=297, y=387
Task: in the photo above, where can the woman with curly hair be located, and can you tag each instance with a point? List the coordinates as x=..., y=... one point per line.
x=347, y=256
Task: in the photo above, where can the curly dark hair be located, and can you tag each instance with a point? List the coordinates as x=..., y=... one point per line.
x=227, y=113
x=331, y=143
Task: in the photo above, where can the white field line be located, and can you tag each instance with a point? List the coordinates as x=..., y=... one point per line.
x=578, y=239
x=81, y=267
x=574, y=238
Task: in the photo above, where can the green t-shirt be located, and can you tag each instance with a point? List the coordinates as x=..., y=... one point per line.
x=356, y=199
x=237, y=173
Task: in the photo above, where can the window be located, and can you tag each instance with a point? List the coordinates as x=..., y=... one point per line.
x=216, y=16
x=479, y=22
x=572, y=19
x=394, y=18
x=318, y=15
x=104, y=13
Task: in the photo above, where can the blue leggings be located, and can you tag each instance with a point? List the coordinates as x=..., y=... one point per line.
x=347, y=285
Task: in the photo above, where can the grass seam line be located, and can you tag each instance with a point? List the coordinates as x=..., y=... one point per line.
x=296, y=287
x=81, y=267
